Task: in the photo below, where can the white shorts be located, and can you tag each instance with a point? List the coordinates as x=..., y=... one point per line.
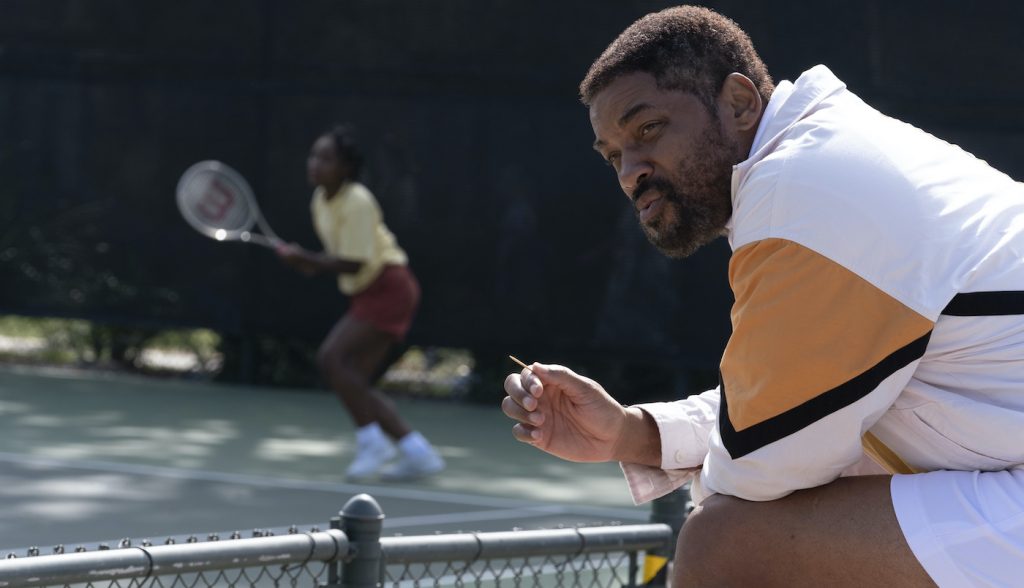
x=966, y=528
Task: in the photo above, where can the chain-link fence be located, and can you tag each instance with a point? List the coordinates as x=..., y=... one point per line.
x=289, y=560
x=595, y=557
x=353, y=554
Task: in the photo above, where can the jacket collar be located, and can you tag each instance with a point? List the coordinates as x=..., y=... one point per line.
x=789, y=103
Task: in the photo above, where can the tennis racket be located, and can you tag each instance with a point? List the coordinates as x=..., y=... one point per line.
x=218, y=202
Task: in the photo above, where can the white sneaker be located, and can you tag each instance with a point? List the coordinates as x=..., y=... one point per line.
x=410, y=468
x=370, y=459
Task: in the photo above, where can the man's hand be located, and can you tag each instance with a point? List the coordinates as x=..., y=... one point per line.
x=572, y=417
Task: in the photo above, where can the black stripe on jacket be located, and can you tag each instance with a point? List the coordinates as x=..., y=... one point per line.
x=986, y=304
x=754, y=437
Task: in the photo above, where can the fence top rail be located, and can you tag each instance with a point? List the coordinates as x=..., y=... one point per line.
x=506, y=544
x=142, y=563
x=145, y=562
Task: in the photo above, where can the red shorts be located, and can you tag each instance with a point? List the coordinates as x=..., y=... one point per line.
x=389, y=303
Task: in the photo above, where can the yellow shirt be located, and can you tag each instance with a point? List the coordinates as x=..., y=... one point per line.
x=351, y=226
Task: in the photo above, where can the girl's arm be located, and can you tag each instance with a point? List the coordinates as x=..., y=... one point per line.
x=313, y=262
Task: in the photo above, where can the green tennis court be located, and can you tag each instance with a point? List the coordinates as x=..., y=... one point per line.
x=89, y=458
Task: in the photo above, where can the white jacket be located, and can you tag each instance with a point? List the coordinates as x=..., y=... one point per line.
x=879, y=281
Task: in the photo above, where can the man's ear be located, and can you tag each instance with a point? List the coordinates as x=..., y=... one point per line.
x=740, y=97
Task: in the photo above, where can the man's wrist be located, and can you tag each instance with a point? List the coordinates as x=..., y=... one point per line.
x=640, y=439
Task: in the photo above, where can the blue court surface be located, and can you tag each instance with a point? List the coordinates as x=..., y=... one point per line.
x=89, y=458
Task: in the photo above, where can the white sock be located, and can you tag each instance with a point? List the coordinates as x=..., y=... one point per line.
x=370, y=434
x=415, y=444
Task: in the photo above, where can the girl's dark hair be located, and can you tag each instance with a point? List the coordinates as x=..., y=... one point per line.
x=686, y=48
x=345, y=147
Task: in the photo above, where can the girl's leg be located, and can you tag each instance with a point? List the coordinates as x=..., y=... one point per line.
x=349, y=358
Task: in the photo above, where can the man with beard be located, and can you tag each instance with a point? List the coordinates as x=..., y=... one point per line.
x=867, y=430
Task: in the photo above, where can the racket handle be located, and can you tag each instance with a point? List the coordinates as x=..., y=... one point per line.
x=268, y=242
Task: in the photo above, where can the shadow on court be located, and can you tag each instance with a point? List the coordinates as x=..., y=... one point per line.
x=89, y=457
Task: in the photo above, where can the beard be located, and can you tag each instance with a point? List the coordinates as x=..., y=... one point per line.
x=697, y=200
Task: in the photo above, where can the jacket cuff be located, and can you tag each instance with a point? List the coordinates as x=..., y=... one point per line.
x=647, y=483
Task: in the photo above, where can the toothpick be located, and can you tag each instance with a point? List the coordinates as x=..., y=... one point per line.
x=512, y=357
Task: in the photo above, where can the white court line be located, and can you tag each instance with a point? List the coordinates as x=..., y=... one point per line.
x=500, y=504
x=476, y=516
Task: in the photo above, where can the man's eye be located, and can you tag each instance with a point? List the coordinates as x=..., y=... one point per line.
x=647, y=128
x=612, y=159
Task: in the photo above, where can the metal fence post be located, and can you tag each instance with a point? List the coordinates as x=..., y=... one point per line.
x=671, y=509
x=334, y=567
x=362, y=521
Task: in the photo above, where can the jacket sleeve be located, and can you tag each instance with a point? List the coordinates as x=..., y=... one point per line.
x=684, y=426
x=816, y=356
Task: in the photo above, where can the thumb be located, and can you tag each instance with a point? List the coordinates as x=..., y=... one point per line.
x=557, y=375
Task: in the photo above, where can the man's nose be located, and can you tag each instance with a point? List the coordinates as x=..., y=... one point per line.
x=633, y=169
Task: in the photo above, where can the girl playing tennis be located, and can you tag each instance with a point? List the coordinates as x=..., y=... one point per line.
x=373, y=271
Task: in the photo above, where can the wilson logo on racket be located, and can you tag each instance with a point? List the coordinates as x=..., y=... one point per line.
x=218, y=202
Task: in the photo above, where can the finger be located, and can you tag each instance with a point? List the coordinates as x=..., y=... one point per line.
x=531, y=383
x=514, y=388
x=515, y=411
x=526, y=433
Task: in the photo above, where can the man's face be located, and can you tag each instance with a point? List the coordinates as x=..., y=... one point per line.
x=672, y=158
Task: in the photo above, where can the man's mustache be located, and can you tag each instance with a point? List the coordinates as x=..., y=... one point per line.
x=660, y=184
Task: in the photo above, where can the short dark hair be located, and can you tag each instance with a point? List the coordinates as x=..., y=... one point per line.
x=688, y=48
x=345, y=146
